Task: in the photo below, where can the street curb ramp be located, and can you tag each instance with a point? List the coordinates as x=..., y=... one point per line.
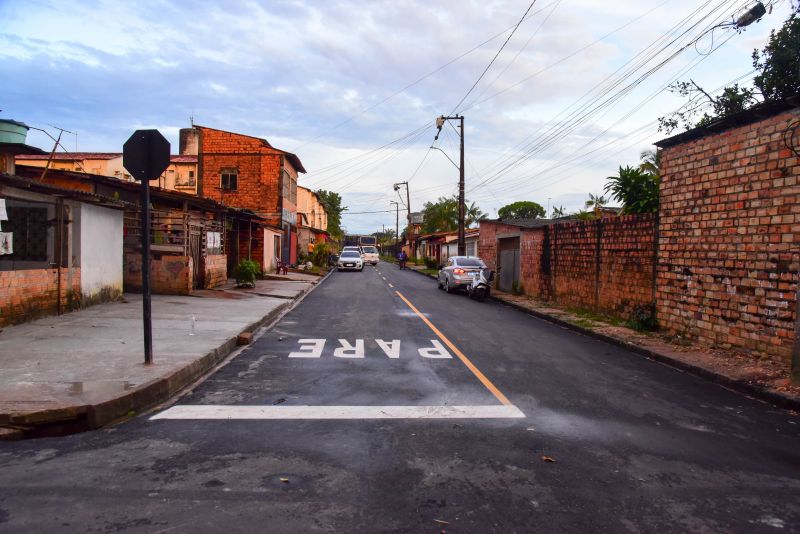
x=751, y=390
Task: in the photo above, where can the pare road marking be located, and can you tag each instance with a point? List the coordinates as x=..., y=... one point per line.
x=228, y=412
x=313, y=348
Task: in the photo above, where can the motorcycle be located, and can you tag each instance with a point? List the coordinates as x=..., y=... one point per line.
x=480, y=287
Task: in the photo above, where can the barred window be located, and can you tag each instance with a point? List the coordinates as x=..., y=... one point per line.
x=229, y=179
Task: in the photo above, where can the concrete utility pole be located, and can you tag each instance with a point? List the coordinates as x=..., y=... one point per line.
x=408, y=208
x=462, y=245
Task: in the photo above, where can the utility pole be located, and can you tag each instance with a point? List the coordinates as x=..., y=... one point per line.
x=410, y=233
x=462, y=245
x=396, y=222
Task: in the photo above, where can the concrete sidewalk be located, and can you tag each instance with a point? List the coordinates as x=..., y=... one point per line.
x=86, y=369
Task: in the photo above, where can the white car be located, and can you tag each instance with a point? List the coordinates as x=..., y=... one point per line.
x=370, y=254
x=350, y=260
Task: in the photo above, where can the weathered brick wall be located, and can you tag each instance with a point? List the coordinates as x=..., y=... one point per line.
x=728, y=238
x=605, y=265
x=169, y=275
x=259, y=172
x=216, y=270
x=30, y=294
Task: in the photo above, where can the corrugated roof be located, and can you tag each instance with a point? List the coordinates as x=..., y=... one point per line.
x=72, y=156
x=22, y=182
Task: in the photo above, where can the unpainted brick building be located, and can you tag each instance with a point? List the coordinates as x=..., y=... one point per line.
x=729, y=232
x=247, y=172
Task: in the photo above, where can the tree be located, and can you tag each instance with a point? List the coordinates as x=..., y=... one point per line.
x=442, y=215
x=596, y=203
x=523, y=209
x=332, y=202
x=558, y=211
x=650, y=162
x=636, y=189
x=779, y=77
x=779, y=62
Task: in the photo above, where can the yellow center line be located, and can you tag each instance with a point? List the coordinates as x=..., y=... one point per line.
x=480, y=376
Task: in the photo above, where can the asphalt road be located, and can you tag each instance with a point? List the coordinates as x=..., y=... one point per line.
x=378, y=421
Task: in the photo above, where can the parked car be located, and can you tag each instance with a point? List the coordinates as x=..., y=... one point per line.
x=370, y=254
x=457, y=272
x=350, y=260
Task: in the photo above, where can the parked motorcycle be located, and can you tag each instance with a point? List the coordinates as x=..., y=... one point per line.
x=480, y=287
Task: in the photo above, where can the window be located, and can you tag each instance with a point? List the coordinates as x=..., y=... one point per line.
x=229, y=179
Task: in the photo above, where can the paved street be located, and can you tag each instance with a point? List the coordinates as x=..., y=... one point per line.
x=380, y=404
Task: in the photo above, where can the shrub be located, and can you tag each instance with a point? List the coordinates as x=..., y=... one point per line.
x=246, y=273
x=320, y=255
x=643, y=319
x=431, y=263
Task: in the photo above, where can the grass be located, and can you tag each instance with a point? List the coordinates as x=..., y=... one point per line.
x=589, y=319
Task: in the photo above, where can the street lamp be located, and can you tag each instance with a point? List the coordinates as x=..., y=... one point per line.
x=462, y=245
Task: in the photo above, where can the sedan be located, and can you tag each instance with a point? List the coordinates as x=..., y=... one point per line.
x=457, y=272
x=350, y=260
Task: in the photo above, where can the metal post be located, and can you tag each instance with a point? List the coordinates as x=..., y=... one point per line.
x=462, y=245
x=148, y=325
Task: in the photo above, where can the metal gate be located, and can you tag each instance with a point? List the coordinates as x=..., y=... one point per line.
x=508, y=266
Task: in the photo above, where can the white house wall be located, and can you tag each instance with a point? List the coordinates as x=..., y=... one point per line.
x=100, y=251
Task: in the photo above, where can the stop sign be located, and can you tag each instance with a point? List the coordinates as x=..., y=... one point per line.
x=146, y=154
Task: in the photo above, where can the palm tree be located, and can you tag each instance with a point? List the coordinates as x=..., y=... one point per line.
x=597, y=202
x=651, y=162
x=558, y=211
x=473, y=214
x=636, y=189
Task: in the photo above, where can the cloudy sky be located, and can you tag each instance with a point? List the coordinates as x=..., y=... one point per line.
x=353, y=87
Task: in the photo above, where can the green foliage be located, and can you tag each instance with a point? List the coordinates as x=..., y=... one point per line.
x=319, y=256
x=584, y=215
x=332, y=202
x=558, y=211
x=643, y=319
x=246, y=272
x=431, y=263
x=442, y=215
x=523, y=209
x=779, y=62
x=635, y=189
x=779, y=77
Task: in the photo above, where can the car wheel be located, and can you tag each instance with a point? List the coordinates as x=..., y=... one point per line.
x=447, y=288
x=438, y=283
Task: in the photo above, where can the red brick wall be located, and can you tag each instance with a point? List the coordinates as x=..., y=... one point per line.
x=729, y=238
x=563, y=263
x=29, y=294
x=259, y=172
x=169, y=275
x=216, y=270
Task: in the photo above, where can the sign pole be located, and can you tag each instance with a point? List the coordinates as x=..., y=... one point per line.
x=148, y=323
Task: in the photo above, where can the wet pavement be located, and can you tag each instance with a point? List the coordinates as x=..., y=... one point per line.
x=608, y=441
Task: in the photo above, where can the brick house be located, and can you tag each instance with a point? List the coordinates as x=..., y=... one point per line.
x=247, y=172
x=60, y=249
x=729, y=232
x=312, y=220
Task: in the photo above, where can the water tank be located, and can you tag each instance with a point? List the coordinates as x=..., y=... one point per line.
x=13, y=132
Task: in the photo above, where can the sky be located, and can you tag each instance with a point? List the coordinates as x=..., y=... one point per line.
x=354, y=87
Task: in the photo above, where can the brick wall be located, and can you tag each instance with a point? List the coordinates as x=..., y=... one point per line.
x=605, y=265
x=169, y=275
x=29, y=294
x=729, y=238
x=216, y=270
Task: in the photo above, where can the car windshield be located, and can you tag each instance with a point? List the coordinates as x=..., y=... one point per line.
x=470, y=262
x=371, y=250
x=350, y=254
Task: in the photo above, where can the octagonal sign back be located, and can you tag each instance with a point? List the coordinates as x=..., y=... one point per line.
x=146, y=154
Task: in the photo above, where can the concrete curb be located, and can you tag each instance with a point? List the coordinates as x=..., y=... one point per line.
x=751, y=390
x=73, y=419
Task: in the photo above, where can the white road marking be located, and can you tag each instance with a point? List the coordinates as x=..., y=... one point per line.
x=438, y=351
x=391, y=348
x=350, y=351
x=309, y=348
x=226, y=412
